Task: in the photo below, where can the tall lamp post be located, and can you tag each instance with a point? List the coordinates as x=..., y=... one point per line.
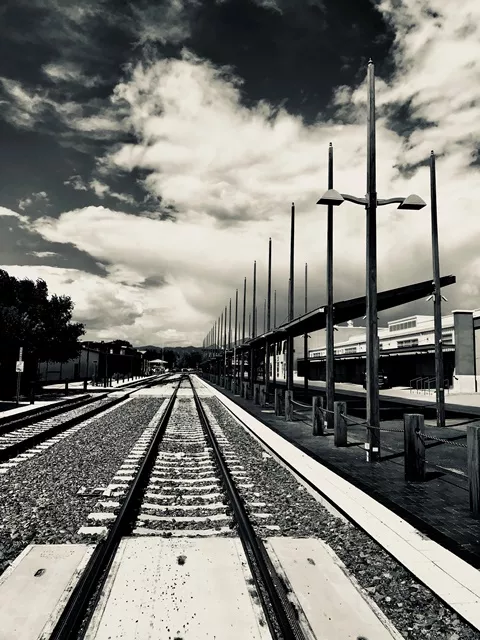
x=370, y=202
x=437, y=298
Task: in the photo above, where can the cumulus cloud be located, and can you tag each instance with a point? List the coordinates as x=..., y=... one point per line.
x=113, y=309
x=230, y=173
x=37, y=198
x=99, y=188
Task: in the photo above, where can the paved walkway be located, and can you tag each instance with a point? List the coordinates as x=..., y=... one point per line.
x=10, y=409
x=78, y=385
x=468, y=403
x=438, y=507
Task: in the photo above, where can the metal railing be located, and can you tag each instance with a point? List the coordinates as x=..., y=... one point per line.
x=424, y=384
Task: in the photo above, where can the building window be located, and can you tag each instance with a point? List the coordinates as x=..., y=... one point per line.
x=447, y=338
x=402, y=325
x=413, y=342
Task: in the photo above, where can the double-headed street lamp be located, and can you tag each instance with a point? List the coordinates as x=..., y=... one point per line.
x=370, y=202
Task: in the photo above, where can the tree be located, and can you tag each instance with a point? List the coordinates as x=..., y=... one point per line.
x=39, y=324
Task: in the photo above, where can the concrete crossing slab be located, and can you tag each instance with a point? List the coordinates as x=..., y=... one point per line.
x=34, y=589
x=178, y=588
x=334, y=606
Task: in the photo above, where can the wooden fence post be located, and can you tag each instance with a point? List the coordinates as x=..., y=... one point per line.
x=317, y=416
x=289, y=406
x=473, y=453
x=414, y=447
x=339, y=424
x=278, y=402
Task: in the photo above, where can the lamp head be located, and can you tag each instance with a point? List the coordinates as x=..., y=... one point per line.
x=331, y=197
x=413, y=202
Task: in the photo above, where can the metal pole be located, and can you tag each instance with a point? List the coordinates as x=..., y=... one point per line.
x=269, y=284
x=225, y=349
x=275, y=309
x=254, y=301
x=373, y=408
x=229, y=336
x=265, y=316
x=235, y=363
x=19, y=376
x=291, y=305
x=440, y=388
x=220, y=350
x=242, y=364
x=249, y=325
x=330, y=356
x=230, y=324
x=292, y=262
x=269, y=324
x=305, y=339
x=236, y=316
x=244, y=307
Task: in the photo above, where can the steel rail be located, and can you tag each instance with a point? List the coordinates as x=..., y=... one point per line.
x=253, y=546
x=95, y=573
x=31, y=441
x=42, y=413
x=15, y=422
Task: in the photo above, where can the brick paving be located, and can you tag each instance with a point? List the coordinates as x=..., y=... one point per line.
x=439, y=507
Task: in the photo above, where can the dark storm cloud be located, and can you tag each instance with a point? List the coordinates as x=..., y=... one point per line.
x=294, y=56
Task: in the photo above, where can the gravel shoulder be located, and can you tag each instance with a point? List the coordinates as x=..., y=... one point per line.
x=38, y=499
x=414, y=610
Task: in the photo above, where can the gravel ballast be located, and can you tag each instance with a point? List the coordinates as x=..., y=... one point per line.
x=414, y=610
x=38, y=499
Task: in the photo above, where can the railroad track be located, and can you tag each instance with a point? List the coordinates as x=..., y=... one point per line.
x=24, y=438
x=182, y=480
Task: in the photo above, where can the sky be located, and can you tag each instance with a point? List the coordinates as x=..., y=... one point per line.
x=149, y=149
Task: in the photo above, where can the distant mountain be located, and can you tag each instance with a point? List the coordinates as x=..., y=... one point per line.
x=159, y=349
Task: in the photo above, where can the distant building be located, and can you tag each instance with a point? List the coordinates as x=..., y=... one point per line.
x=406, y=348
x=96, y=360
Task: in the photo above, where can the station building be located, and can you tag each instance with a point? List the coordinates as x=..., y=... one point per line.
x=407, y=352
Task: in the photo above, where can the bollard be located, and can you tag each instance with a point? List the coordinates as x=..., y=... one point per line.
x=256, y=394
x=262, y=398
x=339, y=424
x=413, y=424
x=278, y=402
x=317, y=416
x=66, y=387
x=85, y=383
x=473, y=454
x=32, y=393
x=289, y=406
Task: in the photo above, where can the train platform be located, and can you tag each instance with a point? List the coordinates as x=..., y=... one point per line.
x=438, y=507
x=79, y=385
x=367, y=494
x=462, y=403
